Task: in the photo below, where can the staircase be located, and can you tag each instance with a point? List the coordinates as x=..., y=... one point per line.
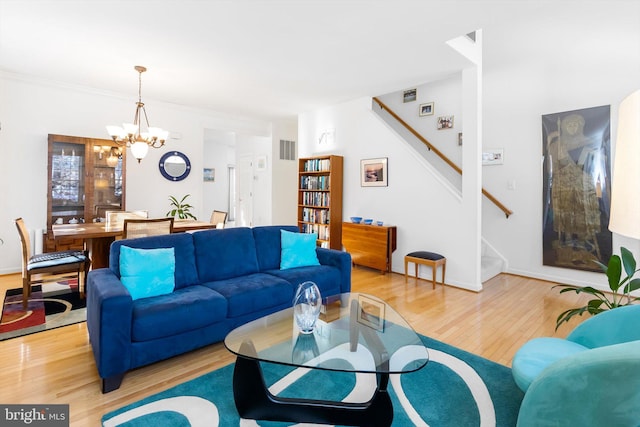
x=491, y=262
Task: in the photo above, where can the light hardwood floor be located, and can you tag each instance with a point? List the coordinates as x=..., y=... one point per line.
x=57, y=366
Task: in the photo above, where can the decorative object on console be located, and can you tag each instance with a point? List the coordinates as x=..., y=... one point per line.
x=356, y=219
x=131, y=135
x=368, y=221
x=306, y=306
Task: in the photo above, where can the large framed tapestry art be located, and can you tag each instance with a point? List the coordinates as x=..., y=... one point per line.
x=576, y=188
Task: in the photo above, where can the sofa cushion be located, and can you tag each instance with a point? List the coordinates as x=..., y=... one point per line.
x=253, y=293
x=147, y=272
x=298, y=250
x=538, y=354
x=226, y=253
x=182, y=243
x=325, y=277
x=184, y=310
x=268, y=244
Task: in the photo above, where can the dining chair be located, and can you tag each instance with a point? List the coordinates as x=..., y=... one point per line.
x=219, y=218
x=134, y=228
x=116, y=218
x=49, y=263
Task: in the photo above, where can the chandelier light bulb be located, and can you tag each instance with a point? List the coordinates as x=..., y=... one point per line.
x=131, y=135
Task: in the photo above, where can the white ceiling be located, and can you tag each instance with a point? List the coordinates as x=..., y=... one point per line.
x=276, y=58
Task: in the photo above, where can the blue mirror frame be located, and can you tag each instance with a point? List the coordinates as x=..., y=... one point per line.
x=173, y=175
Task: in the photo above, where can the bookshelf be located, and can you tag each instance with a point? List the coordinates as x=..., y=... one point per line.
x=320, y=199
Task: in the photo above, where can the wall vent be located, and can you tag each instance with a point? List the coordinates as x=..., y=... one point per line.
x=287, y=150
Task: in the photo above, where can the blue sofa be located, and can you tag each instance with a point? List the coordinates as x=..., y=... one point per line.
x=223, y=278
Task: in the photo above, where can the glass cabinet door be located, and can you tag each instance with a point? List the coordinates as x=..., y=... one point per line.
x=107, y=181
x=86, y=178
x=67, y=182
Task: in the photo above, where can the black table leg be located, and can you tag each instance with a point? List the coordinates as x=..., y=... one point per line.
x=254, y=401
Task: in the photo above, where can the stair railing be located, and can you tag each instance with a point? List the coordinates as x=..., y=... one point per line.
x=439, y=153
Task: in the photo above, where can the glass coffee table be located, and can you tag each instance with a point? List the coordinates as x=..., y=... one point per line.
x=355, y=333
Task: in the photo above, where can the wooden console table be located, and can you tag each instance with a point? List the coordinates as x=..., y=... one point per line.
x=370, y=245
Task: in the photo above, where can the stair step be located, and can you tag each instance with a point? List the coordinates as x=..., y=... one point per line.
x=490, y=267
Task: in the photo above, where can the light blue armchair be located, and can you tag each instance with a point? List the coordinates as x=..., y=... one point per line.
x=591, y=378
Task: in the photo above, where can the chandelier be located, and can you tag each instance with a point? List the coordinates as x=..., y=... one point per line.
x=131, y=135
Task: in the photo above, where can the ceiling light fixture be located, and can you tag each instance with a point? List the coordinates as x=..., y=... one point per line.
x=131, y=135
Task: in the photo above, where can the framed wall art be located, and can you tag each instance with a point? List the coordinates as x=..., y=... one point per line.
x=445, y=122
x=576, y=196
x=209, y=174
x=409, y=95
x=426, y=109
x=371, y=312
x=373, y=172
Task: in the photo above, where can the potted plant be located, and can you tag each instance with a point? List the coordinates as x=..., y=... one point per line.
x=180, y=208
x=621, y=288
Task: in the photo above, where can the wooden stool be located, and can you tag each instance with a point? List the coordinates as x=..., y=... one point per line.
x=431, y=259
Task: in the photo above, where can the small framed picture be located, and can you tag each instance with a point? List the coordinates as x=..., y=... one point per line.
x=409, y=95
x=445, y=122
x=493, y=156
x=373, y=172
x=209, y=174
x=426, y=109
x=371, y=312
x=261, y=163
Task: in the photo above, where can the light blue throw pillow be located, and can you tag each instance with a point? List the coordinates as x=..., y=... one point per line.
x=147, y=272
x=298, y=249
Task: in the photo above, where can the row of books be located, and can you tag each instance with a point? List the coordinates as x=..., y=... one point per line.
x=317, y=165
x=314, y=182
x=310, y=198
x=320, y=216
x=321, y=230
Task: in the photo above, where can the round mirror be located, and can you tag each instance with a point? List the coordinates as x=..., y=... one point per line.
x=174, y=166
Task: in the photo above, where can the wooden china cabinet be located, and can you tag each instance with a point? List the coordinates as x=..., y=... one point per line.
x=85, y=178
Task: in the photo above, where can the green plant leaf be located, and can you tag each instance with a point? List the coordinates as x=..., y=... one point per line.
x=614, y=272
x=628, y=261
x=633, y=285
x=582, y=289
x=566, y=315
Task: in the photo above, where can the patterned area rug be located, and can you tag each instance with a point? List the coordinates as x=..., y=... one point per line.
x=454, y=389
x=52, y=305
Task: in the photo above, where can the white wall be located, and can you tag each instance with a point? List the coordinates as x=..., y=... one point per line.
x=257, y=147
x=446, y=96
x=284, y=174
x=219, y=154
x=516, y=91
x=516, y=94
x=427, y=214
x=29, y=110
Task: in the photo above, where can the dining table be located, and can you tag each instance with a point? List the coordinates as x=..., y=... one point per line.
x=98, y=236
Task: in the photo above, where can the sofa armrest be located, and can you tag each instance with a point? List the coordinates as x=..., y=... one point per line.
x=595, y=387
x=109, y=320
x=339, y=259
